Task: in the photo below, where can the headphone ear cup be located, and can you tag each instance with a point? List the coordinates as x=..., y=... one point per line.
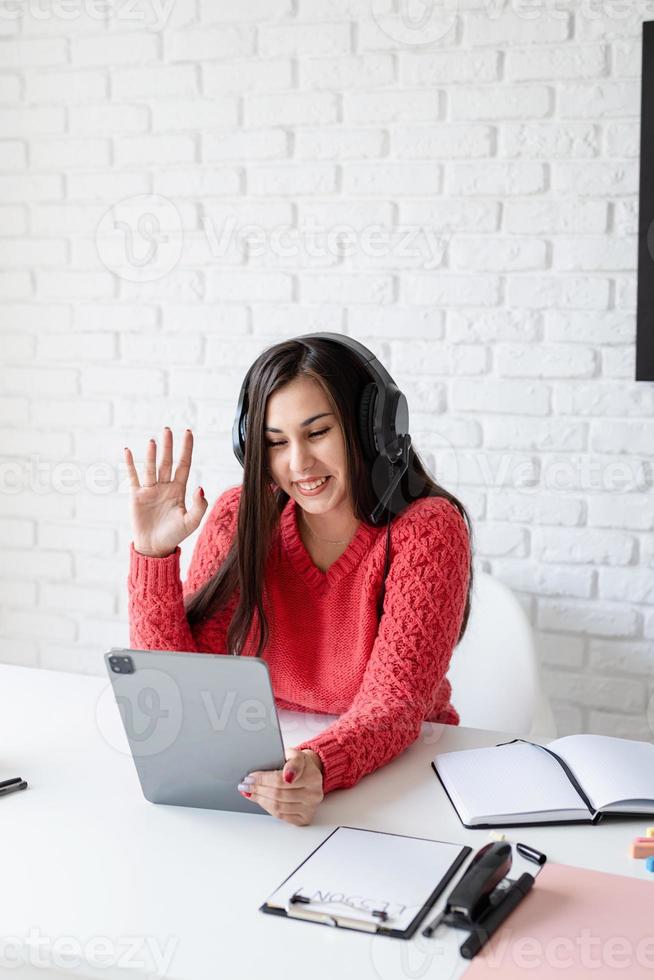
x=366, y=416
x=242, y=429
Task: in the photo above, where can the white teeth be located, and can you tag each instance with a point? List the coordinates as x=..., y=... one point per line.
x=312, y=486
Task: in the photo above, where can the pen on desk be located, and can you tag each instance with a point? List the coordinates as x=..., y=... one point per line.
x=512, y=897
x=11, y=785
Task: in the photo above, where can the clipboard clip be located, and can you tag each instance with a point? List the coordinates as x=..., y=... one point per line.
x=297, y=898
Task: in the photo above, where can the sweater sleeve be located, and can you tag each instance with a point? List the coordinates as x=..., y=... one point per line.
x=426, y=590
x=157, y=618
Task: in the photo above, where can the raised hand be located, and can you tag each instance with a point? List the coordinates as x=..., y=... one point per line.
x=160, y=520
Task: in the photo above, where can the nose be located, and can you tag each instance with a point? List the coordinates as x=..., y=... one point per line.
x=300, y=460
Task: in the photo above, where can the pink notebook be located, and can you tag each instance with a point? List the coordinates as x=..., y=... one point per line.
x=574, y=923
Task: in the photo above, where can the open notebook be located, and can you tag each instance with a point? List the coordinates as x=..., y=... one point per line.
x=578, y=778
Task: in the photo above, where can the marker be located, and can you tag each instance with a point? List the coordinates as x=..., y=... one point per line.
x=11, y=785
x=531, y=854
x=10, y=782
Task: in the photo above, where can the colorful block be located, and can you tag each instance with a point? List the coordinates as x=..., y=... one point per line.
x=642, y=847
x=649, y=832
x=649, y=864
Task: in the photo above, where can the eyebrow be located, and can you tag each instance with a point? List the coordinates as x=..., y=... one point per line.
x=306, y=422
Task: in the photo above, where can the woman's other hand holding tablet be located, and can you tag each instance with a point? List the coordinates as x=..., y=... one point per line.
x=295, y=801
x=160, y=520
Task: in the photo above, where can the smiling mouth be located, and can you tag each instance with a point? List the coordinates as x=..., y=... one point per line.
x=312, y=484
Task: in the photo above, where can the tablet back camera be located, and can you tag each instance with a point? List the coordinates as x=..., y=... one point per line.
x=121, y=665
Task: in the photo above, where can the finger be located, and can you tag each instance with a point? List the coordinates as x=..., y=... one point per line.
x=271, y=779
x=184, y=463
x=277, y=809
x=131, y=469
x=166, y=465
x=150, y=476
x=275, y=777
x=285, y=796
x=196, y=511
x=294, y=766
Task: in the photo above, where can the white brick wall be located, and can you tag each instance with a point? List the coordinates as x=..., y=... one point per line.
x=462, y=198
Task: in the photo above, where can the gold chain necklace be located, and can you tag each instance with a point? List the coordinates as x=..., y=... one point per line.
x=326, y=540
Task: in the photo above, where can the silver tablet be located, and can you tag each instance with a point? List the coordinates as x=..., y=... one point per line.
x=196, y=723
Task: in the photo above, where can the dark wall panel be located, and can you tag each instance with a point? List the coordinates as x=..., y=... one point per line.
x=645, y=340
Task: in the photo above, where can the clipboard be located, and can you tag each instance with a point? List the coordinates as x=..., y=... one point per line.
x=369, y=881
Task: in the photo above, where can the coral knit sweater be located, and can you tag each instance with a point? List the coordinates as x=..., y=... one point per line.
x=327, y=653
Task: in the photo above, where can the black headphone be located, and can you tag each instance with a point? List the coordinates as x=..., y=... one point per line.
x=383, y=425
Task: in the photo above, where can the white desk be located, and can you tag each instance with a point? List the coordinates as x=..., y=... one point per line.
x=84, y=855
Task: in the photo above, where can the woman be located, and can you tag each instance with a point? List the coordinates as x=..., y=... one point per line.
x=289, y=566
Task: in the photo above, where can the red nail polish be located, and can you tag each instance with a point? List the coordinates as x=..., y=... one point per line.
x=201, y=492
x=245, y=794
x=289, y=776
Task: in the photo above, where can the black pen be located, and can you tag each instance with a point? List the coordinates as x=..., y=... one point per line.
x=482, y=933
x=11, y=785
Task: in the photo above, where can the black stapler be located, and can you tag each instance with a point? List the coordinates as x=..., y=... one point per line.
x=471, y=897
x=481, y=901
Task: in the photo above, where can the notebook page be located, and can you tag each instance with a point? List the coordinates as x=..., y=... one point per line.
x=355, y=871
x=609, y=769
x=506, y=780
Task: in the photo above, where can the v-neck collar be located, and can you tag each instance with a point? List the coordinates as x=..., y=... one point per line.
x=301, y=558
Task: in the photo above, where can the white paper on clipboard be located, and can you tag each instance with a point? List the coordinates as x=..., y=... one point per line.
x=355, y=872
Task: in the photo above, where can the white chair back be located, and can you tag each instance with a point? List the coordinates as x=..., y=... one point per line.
x=495, y=674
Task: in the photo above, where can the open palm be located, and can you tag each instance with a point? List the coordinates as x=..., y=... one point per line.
x=160, y=520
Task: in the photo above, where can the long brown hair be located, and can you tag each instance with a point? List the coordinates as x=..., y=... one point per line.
x=343, y=378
